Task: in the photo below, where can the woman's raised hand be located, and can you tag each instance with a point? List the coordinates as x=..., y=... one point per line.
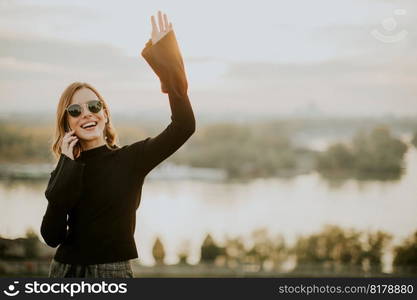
x=164, y=27
x=68, y=142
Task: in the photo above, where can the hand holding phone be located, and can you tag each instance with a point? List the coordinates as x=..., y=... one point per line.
x=68, y=142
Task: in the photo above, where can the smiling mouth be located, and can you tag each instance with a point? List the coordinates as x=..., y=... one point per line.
x=89, y=126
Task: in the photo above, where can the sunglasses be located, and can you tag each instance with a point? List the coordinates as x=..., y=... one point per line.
x=94, y=106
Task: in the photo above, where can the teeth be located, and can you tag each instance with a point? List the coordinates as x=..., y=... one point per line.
x=88, y=124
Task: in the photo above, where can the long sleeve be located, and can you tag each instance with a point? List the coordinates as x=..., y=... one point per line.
x=165, y=59
x=63, y=192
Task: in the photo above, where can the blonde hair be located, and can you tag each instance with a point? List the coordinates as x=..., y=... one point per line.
x=110, y=134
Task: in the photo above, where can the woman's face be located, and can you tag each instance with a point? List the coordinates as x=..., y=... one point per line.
x=82, y=96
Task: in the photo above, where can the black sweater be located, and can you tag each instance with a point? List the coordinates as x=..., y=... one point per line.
x=100, y=190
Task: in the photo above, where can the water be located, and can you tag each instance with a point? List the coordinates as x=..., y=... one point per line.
x=186, y=210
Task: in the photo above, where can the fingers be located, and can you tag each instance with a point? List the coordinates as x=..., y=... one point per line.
x=72, y=144
x=166, y=22
x=68, y=141
x=68, y=137
x=68, y=134
x=161, y=22
x=154, y=27
x=68, y=144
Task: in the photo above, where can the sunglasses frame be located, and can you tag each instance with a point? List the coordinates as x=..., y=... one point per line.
x=82, y=107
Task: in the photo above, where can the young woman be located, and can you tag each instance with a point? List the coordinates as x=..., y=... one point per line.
x=95, y=189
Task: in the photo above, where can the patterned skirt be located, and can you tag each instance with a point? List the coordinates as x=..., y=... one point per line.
x=120, y=269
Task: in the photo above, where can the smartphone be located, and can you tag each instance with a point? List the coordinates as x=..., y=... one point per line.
x=67, y=128
x=76, y=148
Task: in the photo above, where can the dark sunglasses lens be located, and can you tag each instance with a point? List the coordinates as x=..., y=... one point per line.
x=74, y=110
x=94, y=106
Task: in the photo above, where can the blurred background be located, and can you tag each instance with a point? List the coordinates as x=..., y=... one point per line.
x=304, y=162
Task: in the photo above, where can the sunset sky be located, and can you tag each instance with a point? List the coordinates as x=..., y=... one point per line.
x=274, y=58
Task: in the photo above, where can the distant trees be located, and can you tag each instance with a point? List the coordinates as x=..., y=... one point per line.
x=375, y=154
x=235, y=252
x=158, y=252
x=209, y=250
x=337, y=157
x=333, y=250
x=184, y=252
x=24, y=143
x=263, y=254
x=268, y=253
x=405, y=259
x=27, y=247
x=374, y=246
x=339, y=250
x=414, y=140
x=31, y=243
x=242, y=151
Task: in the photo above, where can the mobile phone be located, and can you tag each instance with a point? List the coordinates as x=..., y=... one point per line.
x=67, y=128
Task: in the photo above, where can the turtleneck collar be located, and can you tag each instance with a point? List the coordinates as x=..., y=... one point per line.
x=97, y=151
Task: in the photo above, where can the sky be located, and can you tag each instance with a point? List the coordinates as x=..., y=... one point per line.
x=262, y=58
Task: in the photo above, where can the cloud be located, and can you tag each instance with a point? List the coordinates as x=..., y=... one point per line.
x=35, y=70
x=361, y=85
x=39, y=68
x=29, y=15
x=274, y=61
x=70, y=56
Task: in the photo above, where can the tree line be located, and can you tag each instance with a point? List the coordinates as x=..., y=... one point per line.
x=242, y=150
x=332, y=250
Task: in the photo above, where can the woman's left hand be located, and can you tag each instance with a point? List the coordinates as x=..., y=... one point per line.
x=164, y=27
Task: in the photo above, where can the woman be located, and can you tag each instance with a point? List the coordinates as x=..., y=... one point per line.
x=95, y=188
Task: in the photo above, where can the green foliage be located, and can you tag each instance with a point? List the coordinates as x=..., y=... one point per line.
x=333, y=250
x=24, y=144
x=158, y=252
x=266, y=250
x=242, y=151
x=405, y=258
x=374, y=245
x=414, y=140
x=184, y=253
x=31, y=243
x=235, y=251
x=337, y=156
x=209, y=250
x=336, y=250
x=260, y=149
x=263, y=251
x=369, y=154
